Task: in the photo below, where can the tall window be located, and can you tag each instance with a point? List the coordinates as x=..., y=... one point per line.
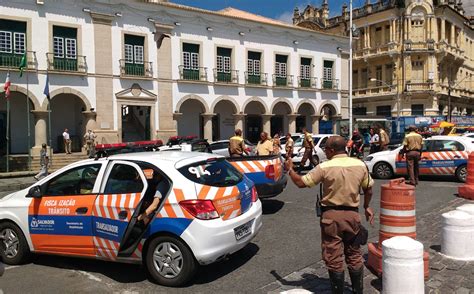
x=134, y=55
x=65, y=48
x=253, y=67
x=191, y=61
x=384, y=110
x=355, y=79
x=417, y=109
x=417, y=71
x=12, y=42
x=281, y=70
x=305, y=72
x=378, y=76
x=360, y=111
x=389, y=74
x=364, y=77
x=328, y=74
x=223, y=62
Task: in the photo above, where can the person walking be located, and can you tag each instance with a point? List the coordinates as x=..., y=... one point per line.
x=276, y=144
x=289, y=145
x=264, y=146
x=412, y=145
x=342, y=234
x=89, y=138
x=237, y=145
x=44, y=163
x=374, y=141
x=308, y=145
x=67, y=142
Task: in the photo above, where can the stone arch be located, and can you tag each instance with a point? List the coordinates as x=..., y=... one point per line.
x=33, y=99
x=331, y=104
x=306, y=109
x=67, y=90
x=256, y=99
x=225, y=98
x=192, y=97
x=308, y=102
x=281, y=100
x=428, y=9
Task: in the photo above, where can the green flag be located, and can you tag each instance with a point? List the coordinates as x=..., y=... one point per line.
x=22, y=64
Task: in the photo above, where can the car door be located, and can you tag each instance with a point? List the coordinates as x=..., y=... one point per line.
x=320, y=144
x=444, y=157
x=61, y=220
x=116, y=208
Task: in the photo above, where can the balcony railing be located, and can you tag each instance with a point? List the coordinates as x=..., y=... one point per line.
x=144, y=69
x=330, y=84
x=375, y=91
x=72, y=64
x=252, y=78
x=419, y=46
x=456, y=51
x=12, y=61
x=227, y=77
x=193, y=74
x=282, y=81
x=418, y=86
x=309, y=83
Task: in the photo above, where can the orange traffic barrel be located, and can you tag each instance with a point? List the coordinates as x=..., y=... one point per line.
x=467, y=190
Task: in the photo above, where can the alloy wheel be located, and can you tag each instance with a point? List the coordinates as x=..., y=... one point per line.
x=168, y=260
x=10, y=242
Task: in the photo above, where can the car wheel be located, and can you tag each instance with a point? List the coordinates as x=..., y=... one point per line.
x=461, y=173
x=383, y=170
x=170, y=262
x=14, y=248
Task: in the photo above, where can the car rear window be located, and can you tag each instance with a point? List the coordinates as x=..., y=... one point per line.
x=217, y=173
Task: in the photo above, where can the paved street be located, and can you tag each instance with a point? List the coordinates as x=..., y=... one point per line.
x=288, y=243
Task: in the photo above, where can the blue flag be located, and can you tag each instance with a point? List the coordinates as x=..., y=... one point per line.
x=46, y=87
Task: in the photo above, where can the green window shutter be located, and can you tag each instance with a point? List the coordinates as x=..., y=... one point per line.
x=12, y=26
x=192, y=48
x=134, y=40
x=305, y=61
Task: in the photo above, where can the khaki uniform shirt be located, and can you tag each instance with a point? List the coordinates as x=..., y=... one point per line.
x=289, y=144
x=264, y=148
x=413, y=141
x=308, y=141
x=236, y=145
x=342, y=178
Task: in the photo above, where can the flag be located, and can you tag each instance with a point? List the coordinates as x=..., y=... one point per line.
x=22, y=64
x=7, y=86
x=46, y=87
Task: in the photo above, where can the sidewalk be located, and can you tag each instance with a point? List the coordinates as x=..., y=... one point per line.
x=12, y=184
x=446, y=275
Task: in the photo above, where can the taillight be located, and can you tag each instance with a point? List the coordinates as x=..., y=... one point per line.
x=270, y=171
x=201, y=209
x=254, y=194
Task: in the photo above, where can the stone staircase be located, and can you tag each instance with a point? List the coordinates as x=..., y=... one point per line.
x=59, y=160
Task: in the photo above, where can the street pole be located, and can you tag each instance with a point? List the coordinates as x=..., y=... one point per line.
x=28, y=118
x=350, y=68
x=398, y=110
x=8, y=128
x=449, y=102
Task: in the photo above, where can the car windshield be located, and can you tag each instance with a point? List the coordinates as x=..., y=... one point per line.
x=217, y=173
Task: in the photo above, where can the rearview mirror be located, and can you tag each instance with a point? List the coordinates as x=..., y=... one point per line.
x=35, y=192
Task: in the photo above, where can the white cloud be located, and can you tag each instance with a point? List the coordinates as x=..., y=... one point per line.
x=286, y=17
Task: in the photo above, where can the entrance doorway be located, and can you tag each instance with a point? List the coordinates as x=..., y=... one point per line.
x=301, y=123
x=276, y=123
x=135, y=123
x=253, y=127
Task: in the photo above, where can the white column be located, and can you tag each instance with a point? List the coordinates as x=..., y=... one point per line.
x=315, y=123
x=266, y=123
x=292, y=122
x=239, y=121
x=207, y=117
x=457, y=235
x=41, y=130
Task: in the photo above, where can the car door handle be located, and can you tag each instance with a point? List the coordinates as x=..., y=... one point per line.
x=123, y=214
x=81, y=210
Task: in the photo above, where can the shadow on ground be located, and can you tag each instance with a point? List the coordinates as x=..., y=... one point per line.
x=271, y=206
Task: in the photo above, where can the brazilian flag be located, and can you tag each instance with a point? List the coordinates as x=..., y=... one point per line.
x=23, y=64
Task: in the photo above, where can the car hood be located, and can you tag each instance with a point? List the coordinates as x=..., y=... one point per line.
x=4, y=200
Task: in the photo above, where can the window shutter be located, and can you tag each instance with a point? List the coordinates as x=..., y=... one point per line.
x=226, y=64
x=19, y=47
x=5, y=42
x=250, y=67
x=128, y=53
x=220, y=63
x=256, y=67
x=187, y=60
x=71, y=48
x=277, y=68
x=195, y=60
x=58, y=44
x=138, y=50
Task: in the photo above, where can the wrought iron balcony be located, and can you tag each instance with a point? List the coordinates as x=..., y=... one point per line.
x=144, y=70
x=12, y=61
x=198, y=74
x=309, y=83
x=252, y=78
x=282, y=81
x=330, y=84
x=76, y=63
x=227, y=77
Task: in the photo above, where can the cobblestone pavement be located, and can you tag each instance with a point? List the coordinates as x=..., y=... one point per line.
x=446, y=275
x=15, y=184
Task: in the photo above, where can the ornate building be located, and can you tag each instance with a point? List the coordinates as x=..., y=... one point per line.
x=410, y=57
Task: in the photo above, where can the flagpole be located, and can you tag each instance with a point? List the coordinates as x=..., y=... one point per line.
x=8, y=129
x=28, y=118
x=49, y=122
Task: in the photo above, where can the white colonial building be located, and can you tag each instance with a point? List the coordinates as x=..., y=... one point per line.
x=134, y=70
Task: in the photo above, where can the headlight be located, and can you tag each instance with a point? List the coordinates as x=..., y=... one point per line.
x=369, y=158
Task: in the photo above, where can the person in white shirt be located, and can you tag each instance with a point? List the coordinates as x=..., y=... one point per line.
x=67, y=142
x=374, y=141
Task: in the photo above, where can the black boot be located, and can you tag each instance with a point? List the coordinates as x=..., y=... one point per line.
x=357, y=280
x=337, y=282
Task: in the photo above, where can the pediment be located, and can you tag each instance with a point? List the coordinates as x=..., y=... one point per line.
x=136, y=92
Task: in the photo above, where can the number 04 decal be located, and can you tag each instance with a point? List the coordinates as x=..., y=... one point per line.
x=199, y=171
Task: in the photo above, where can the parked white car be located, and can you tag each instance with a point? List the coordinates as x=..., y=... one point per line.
x=318, y=153
x=221, y=147
x=441, y=155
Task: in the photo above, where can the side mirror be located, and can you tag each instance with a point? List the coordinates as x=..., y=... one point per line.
x=35, y=192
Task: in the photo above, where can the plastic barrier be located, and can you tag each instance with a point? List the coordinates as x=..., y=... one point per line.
x=467, y=190
x=469, y=208
x=458, y=235
x=397, y=218
x=402, y=266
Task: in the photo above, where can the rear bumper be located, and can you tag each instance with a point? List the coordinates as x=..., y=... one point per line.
x=271, y=189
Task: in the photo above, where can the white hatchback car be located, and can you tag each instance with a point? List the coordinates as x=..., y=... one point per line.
x=441, y=155
x=207, y=211
x=318, y=153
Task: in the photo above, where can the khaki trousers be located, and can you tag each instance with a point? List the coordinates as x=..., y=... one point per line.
x=413, y=168
x=308, y=154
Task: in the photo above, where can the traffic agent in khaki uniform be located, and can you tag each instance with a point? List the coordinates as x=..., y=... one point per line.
x=290, y=144
x=308, y=146
x=237, y=145
x=341, y=230
x=412, y=145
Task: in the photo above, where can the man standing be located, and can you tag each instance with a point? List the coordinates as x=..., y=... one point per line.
x=412, y=145
x=384, y=138
x=90, y=137
x=237, y=145
x=290, y=143
x=67, y=142
x=341, y=230
x=308, y=145
x=44, y=162
x=264, y=146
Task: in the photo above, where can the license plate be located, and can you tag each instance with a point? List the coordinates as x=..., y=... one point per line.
x=243, y=230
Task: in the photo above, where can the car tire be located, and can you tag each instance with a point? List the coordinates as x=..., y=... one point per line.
x=461, y=173
x=14, y=248
x=170, y=262
x=382, y=170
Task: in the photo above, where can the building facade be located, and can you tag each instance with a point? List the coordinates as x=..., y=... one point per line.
x=139, y=70
x=411, y=58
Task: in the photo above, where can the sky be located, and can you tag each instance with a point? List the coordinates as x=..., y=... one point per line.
x=283, y=9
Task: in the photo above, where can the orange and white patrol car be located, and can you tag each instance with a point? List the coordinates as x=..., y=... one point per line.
x=441, y=155
x=207, y=211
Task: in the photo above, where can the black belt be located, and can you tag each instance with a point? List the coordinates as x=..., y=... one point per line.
x=340, y=207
